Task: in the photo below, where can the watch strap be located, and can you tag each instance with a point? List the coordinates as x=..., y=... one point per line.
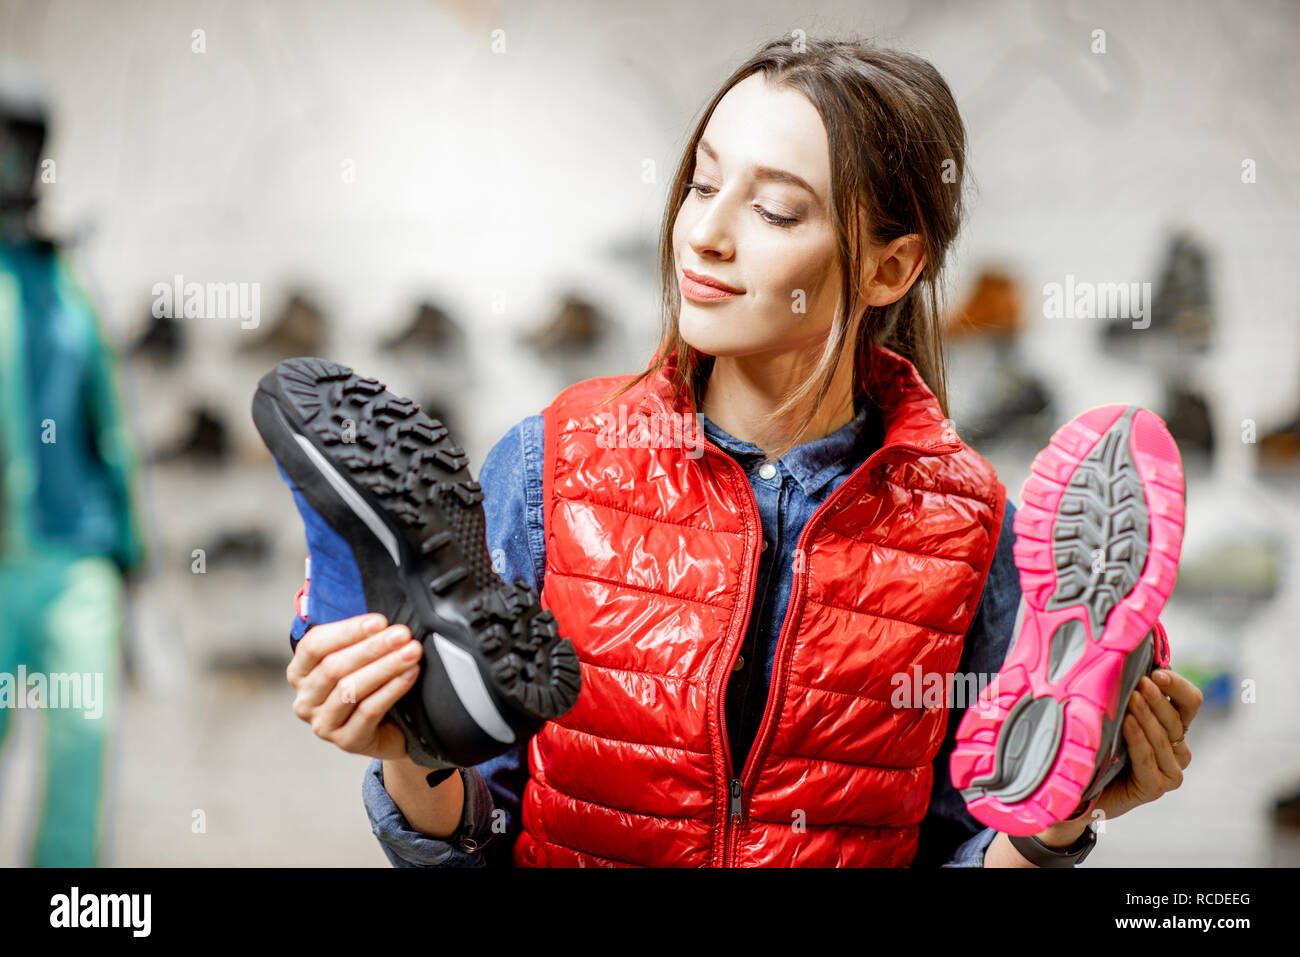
x=437, y=777
x=1039, y=854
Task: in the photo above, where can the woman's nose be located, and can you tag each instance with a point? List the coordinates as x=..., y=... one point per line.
x=712, y=232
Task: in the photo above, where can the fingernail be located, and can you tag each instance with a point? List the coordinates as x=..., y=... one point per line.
x=412, y=650
x=375, y=622
x=396, y=635
x=1160, y=677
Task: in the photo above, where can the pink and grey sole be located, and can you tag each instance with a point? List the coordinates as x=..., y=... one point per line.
x=1098, y=538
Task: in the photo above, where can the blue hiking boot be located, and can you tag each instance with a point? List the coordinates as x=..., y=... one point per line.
x=394, y=526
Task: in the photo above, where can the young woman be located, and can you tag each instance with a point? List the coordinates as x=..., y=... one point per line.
x=743, y=600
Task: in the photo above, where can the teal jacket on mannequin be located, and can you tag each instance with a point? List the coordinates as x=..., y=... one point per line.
x=65, y=449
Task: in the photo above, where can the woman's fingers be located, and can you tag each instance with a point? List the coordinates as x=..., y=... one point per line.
x=1169, y=719
x=1187, y=698
x=367, y=726
x=320, y=683
x=355, y=687
x=1145, y=780
x=321, y=640
x=1158, y=741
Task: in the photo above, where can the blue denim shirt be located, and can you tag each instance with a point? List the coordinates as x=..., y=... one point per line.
x=511, y=478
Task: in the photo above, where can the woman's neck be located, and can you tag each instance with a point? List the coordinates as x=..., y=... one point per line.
x=743, y=392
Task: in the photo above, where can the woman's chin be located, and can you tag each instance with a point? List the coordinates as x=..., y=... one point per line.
x=710, y=334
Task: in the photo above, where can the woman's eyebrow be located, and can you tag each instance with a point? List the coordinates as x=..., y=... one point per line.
x=769, y=173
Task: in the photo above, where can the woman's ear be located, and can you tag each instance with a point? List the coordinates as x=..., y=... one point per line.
x=891, y=270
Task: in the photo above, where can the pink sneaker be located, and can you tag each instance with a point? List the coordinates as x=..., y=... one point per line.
x=1098, y=538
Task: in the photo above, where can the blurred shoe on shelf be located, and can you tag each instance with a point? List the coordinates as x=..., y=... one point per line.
x=1181, y=309
x=431, y=330
x=299, y=329
x=1286, y=810
x=637, y=250
x=207, y=440
x=1285, y=842
x=1187, y=413
x=576, y=327
x=993, y=310
x=246, y=665
x=1016, y=405
x=244, y=547
x=1279, y=450
x=161, y=341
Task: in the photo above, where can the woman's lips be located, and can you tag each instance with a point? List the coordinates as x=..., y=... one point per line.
x=703, y=292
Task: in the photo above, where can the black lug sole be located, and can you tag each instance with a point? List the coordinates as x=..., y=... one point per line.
x=394, y=485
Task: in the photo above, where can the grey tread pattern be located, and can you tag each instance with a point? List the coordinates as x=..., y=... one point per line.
x=1102, y=530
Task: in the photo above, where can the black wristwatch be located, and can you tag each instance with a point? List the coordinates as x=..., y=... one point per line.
x=1036, y=852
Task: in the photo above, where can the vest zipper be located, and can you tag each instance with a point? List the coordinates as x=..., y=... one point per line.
x=776, y=691
x=735, y=809
x=738, y=786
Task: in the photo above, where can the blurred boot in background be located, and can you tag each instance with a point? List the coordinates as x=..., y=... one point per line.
x=1187, y=413
x=1181, y=320
x=206, y=440
x=1279, y=448
x=576, y=327
x=992, y=312
x=300, y=329
x=1017, y=406
x=431, y=330
x=161, y=341
x=1014, y=403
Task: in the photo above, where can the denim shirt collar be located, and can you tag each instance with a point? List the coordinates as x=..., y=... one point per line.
x=812, y=464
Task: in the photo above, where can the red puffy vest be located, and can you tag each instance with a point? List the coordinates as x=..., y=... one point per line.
x=651, y=554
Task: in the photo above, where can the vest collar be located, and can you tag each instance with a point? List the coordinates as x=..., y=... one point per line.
x=911, y=413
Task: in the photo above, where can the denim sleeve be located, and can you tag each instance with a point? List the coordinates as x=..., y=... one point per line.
x=511, y=478
x=406, y=847
x=950, y=836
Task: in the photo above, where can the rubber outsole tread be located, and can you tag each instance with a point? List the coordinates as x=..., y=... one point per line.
x=411, y=468
x=1097, y=543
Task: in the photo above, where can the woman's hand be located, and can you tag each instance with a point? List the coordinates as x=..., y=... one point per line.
x=348, y=674
x=1155, y=729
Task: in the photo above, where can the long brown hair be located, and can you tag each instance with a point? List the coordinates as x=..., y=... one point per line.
x=898, y=154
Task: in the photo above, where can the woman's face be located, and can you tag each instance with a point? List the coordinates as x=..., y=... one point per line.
x=758, y=221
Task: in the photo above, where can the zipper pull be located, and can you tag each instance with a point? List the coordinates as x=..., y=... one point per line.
x=735, y=799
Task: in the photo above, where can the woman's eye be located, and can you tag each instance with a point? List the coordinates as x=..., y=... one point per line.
x=768, y=217
x=774, y=219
